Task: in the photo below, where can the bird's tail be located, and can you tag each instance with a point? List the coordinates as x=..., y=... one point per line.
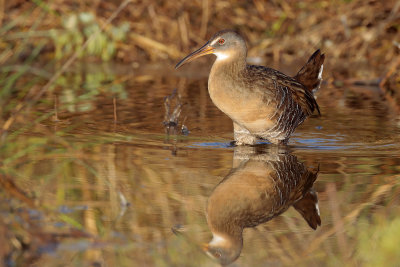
x=310, y=74
x=309, y=209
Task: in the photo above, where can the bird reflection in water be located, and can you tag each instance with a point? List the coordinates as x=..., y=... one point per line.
x=259, y=187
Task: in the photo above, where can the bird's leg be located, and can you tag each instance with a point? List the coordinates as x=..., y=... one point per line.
x=279, y=148
x=243, y=136
x=283, y=142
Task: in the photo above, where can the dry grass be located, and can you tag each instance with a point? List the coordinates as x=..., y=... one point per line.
x=353, y=34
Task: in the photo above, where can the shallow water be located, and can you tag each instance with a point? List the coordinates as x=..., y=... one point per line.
x=141, y=195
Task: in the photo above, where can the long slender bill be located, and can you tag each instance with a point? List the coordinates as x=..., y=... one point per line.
x=204, y=50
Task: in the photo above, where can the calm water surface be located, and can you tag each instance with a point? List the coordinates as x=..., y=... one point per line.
x=142, y=196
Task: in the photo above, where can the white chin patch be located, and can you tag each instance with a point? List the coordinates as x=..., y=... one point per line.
x=221, y=56
x=217, y=240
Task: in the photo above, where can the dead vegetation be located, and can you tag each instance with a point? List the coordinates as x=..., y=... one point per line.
x=357, y=36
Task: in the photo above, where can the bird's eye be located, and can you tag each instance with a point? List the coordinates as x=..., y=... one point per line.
x=221, y=41
x=217, y=254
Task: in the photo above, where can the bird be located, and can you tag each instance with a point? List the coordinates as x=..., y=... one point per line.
x=261, y=186
x=263, y=103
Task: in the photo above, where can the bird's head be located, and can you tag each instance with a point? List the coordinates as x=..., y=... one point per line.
x=225, y=250
x=226, y=44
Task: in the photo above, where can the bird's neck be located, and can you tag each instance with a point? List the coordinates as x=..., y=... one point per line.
x=231, y=65
x=224, y=84
x=224, y=77
x=224, y=231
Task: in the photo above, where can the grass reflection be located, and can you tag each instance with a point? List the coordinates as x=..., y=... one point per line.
x=88, y=177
